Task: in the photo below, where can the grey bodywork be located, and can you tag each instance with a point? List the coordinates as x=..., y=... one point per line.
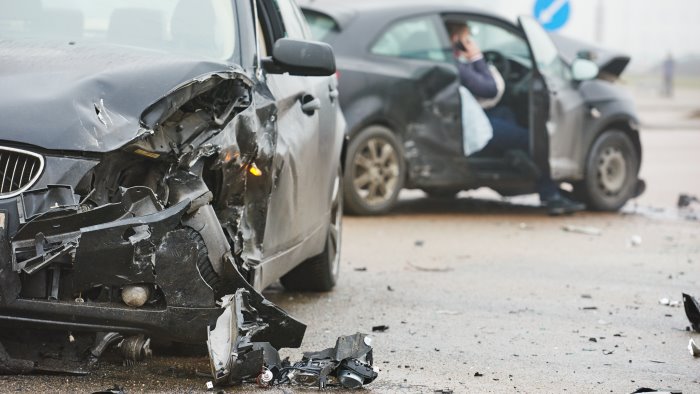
x=191, y=177
x=418, y=100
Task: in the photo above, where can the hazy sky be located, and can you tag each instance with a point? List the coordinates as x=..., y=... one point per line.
x=645, y=29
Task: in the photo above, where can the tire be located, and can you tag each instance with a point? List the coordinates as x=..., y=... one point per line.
x=374, y=172
x=611, y=176
x=320, y=273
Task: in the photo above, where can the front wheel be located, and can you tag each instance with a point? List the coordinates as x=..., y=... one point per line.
x=612, y=170
x=320, y=273
x=374, y=172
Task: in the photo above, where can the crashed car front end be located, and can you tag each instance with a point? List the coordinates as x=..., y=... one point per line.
x=136, y=242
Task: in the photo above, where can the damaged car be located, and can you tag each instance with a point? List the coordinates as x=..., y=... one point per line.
x=400, y=93
x=156, y=158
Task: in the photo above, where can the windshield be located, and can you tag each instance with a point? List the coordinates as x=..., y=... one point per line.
x=193, y=27
x=322, y=26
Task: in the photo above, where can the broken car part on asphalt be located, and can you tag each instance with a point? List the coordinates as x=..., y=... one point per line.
x=685, y=200
x=692, y=311
x=586, y=230
x=237, y=357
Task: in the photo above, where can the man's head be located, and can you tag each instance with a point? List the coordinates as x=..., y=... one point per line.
x=459, y=31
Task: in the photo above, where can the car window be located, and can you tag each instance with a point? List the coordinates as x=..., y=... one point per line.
x=262, y=40
x=196, y=27
x=321, y=25
x=294, y=23
x=492, y=37
x=414, y=38
x=546, y=54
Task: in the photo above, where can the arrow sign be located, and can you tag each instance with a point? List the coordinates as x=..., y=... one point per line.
x=552, y=14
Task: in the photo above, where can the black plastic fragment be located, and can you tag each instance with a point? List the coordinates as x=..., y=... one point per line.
x=692, y=311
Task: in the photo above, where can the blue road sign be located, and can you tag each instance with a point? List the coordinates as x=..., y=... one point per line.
x=552, y=14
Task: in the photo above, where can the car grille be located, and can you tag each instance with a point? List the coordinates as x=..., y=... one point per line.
x=19, y=170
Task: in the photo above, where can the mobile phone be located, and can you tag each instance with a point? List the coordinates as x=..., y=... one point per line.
x=460, y=46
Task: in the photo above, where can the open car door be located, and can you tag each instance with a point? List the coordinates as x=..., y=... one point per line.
x=556, y=107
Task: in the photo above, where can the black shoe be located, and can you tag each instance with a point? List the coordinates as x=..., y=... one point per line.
x=561, y=205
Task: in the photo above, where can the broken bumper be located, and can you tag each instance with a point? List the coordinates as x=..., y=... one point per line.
x=67, y=268
x=64, y=269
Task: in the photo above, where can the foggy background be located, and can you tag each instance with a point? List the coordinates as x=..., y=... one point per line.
x=646, y=30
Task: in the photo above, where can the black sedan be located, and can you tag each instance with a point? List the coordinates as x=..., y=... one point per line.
x=399, y=93
x=154, y=159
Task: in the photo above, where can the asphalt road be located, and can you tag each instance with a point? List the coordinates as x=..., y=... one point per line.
x=487, y=295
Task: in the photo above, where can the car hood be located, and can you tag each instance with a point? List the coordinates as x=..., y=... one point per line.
x=85, y=98
x=610, y=62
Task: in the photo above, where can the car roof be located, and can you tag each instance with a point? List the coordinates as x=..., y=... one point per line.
x=343, y=11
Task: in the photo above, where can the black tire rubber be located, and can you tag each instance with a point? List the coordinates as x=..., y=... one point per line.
x=590, y=191
x=320, y=273
x=354, y=204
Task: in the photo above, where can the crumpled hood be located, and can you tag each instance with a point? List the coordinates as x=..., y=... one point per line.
x=85, y=98
x=609, y=61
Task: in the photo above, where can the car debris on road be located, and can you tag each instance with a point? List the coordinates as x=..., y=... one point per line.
x=692, y=311
x=238, y=353
x=685, y=200
x=586, y=230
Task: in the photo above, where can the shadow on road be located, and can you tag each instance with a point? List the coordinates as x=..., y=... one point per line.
x=465, y=206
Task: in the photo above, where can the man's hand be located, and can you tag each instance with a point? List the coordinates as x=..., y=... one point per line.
x=473, y=50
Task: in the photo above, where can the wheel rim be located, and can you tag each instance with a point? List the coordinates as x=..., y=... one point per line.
x=335, y=232
x=612, y=170
x=376, y=171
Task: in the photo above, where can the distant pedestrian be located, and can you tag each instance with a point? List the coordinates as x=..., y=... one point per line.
x=668, y=66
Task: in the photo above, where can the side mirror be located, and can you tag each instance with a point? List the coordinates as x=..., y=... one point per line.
x=303, y=58
x=583, y=70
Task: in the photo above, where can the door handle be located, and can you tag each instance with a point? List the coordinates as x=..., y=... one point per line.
x=333, y=94
x=309, y=104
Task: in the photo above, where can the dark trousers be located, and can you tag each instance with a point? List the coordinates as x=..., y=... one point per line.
x=509, y=135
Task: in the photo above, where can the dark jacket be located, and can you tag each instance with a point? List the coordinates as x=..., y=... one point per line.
x=477, y=78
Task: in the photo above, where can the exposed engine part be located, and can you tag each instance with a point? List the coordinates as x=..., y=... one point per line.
x=135, y=296
x=135, y=349
x=102, y=342
x=235, y=357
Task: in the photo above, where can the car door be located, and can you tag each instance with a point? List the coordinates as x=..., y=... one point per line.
x=422, y=93
x=306, y=121
x=557, y=109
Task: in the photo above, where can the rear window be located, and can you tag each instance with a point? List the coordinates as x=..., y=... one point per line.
x=322, y=26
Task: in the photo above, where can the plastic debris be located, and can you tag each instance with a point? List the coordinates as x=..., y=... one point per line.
x=446, y=312
x=429, y=269
x=684, y=200
x=381, y=328
x=635, y=241
x=664, y=391
x=586, y=230
x=692, y=311
x=693, y=348
x=238, y=353
x=668, y=302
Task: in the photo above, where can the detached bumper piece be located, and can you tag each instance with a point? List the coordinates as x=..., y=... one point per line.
x=236, y=357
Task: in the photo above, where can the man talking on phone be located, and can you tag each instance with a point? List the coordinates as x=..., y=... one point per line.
x=508, y=136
